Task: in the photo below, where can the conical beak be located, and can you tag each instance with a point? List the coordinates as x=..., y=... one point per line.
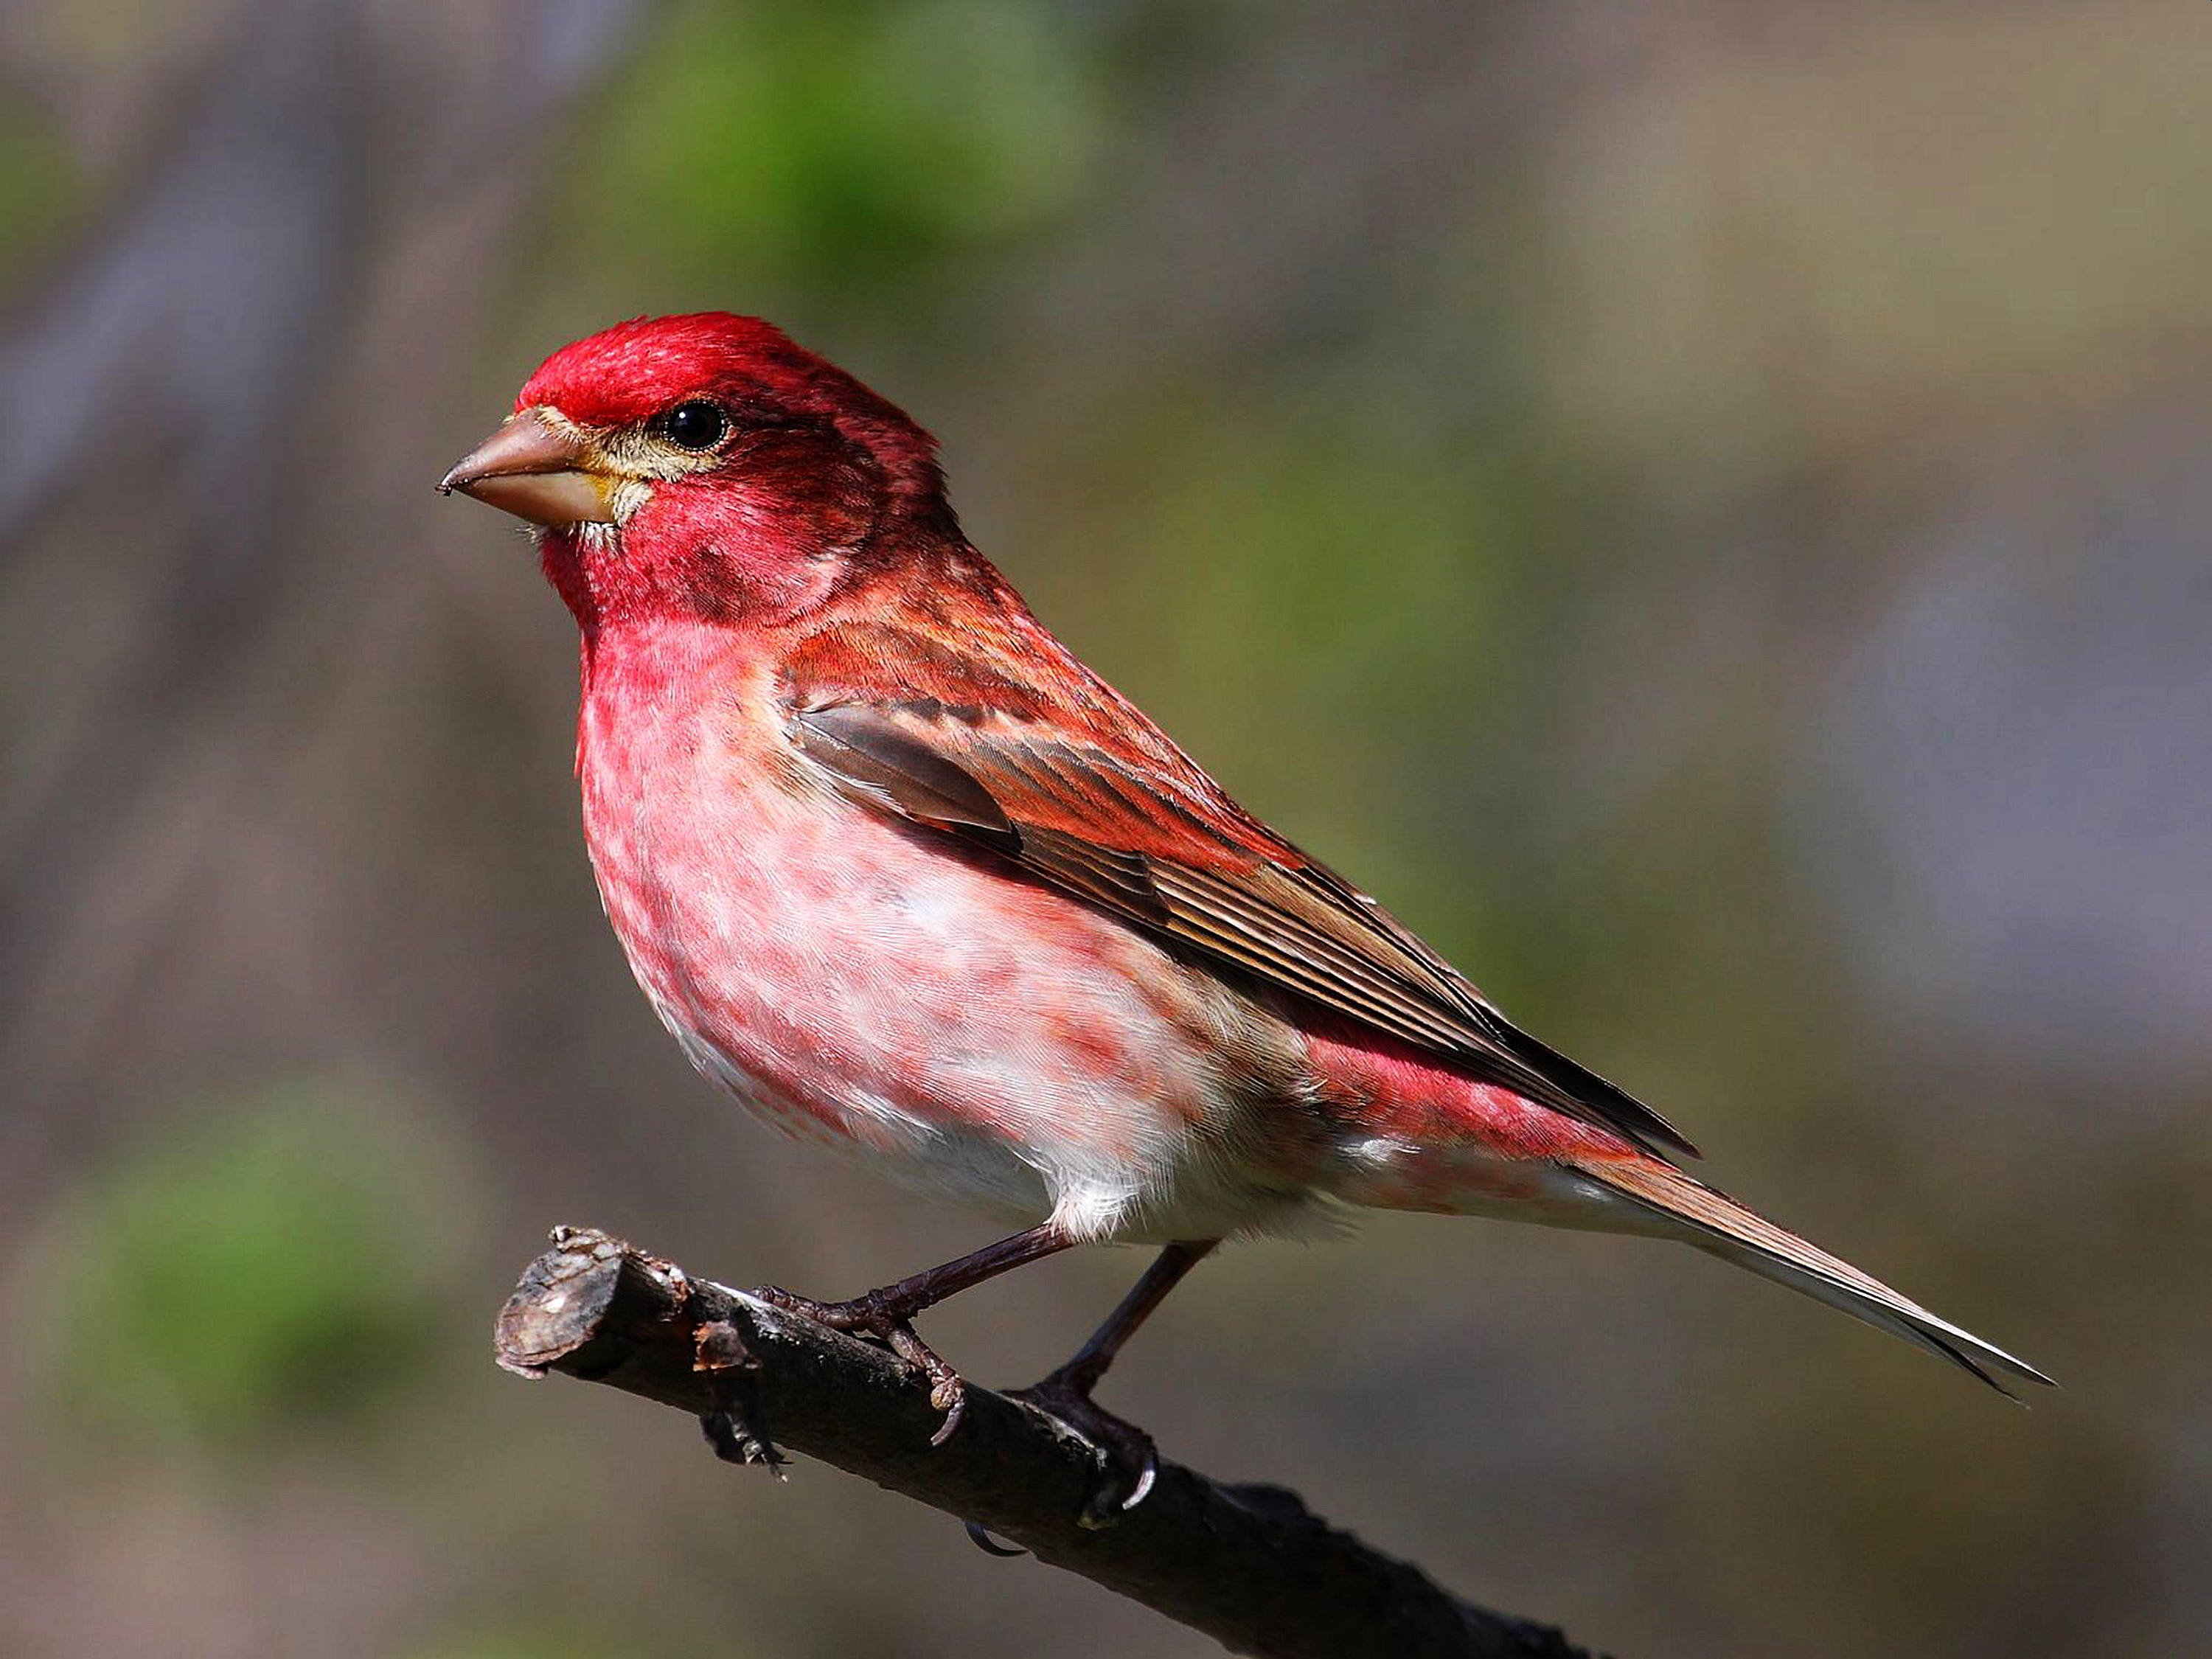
x=533, y=470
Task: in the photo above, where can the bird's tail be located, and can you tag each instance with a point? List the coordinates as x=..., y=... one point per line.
x=1716, y=1223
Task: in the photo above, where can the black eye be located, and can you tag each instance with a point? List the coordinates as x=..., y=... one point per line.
x=696, y=424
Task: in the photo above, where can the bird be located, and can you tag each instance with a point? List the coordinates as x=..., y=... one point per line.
x=907, y=879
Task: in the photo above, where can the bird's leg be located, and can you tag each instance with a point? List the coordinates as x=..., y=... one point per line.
x=1065, y=1394
x=887, y=1314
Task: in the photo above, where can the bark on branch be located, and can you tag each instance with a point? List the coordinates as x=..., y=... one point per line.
x=1248, y=1565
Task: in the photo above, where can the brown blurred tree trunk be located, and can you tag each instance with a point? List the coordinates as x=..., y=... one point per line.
x=214, y=431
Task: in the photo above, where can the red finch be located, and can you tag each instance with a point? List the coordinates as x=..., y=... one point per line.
x=905, y=877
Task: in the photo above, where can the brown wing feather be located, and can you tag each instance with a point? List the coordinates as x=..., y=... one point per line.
x=1158, y=845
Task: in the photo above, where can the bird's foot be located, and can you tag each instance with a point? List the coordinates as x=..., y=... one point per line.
x=1131, y=1462
x=884, y=1320
x=733, y=1427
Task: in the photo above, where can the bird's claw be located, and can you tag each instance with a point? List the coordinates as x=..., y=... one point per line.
x=1130, y=1462
x=869, y=1316
x=990, y=1545
x=733, y=1427
x=947, y=1392
x=736, y=1440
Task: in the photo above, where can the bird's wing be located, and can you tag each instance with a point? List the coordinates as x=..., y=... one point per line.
x=1122, y=817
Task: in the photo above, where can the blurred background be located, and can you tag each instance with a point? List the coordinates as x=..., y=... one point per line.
x=1700, y=508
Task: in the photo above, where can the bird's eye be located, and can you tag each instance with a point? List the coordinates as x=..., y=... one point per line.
x=695, y=424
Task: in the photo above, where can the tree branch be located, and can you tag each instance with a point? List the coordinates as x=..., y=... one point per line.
x=1248, y=1565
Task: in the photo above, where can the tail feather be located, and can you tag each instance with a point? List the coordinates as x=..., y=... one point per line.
x=1716, y=1223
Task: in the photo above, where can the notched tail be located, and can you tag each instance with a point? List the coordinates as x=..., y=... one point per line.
x=1716, y=1223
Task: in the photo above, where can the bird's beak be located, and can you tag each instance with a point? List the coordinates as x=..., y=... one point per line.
x=534, y=469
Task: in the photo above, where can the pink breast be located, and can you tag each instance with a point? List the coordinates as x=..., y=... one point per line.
x=834, y=964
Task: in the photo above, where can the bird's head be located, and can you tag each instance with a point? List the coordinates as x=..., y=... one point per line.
x=705, y=466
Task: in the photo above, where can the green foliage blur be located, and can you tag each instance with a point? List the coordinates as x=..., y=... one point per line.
x=267, y=1265
x=38, y=188
x=867, y=148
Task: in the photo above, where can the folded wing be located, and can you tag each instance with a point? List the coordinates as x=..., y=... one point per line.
x=1122, y=818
